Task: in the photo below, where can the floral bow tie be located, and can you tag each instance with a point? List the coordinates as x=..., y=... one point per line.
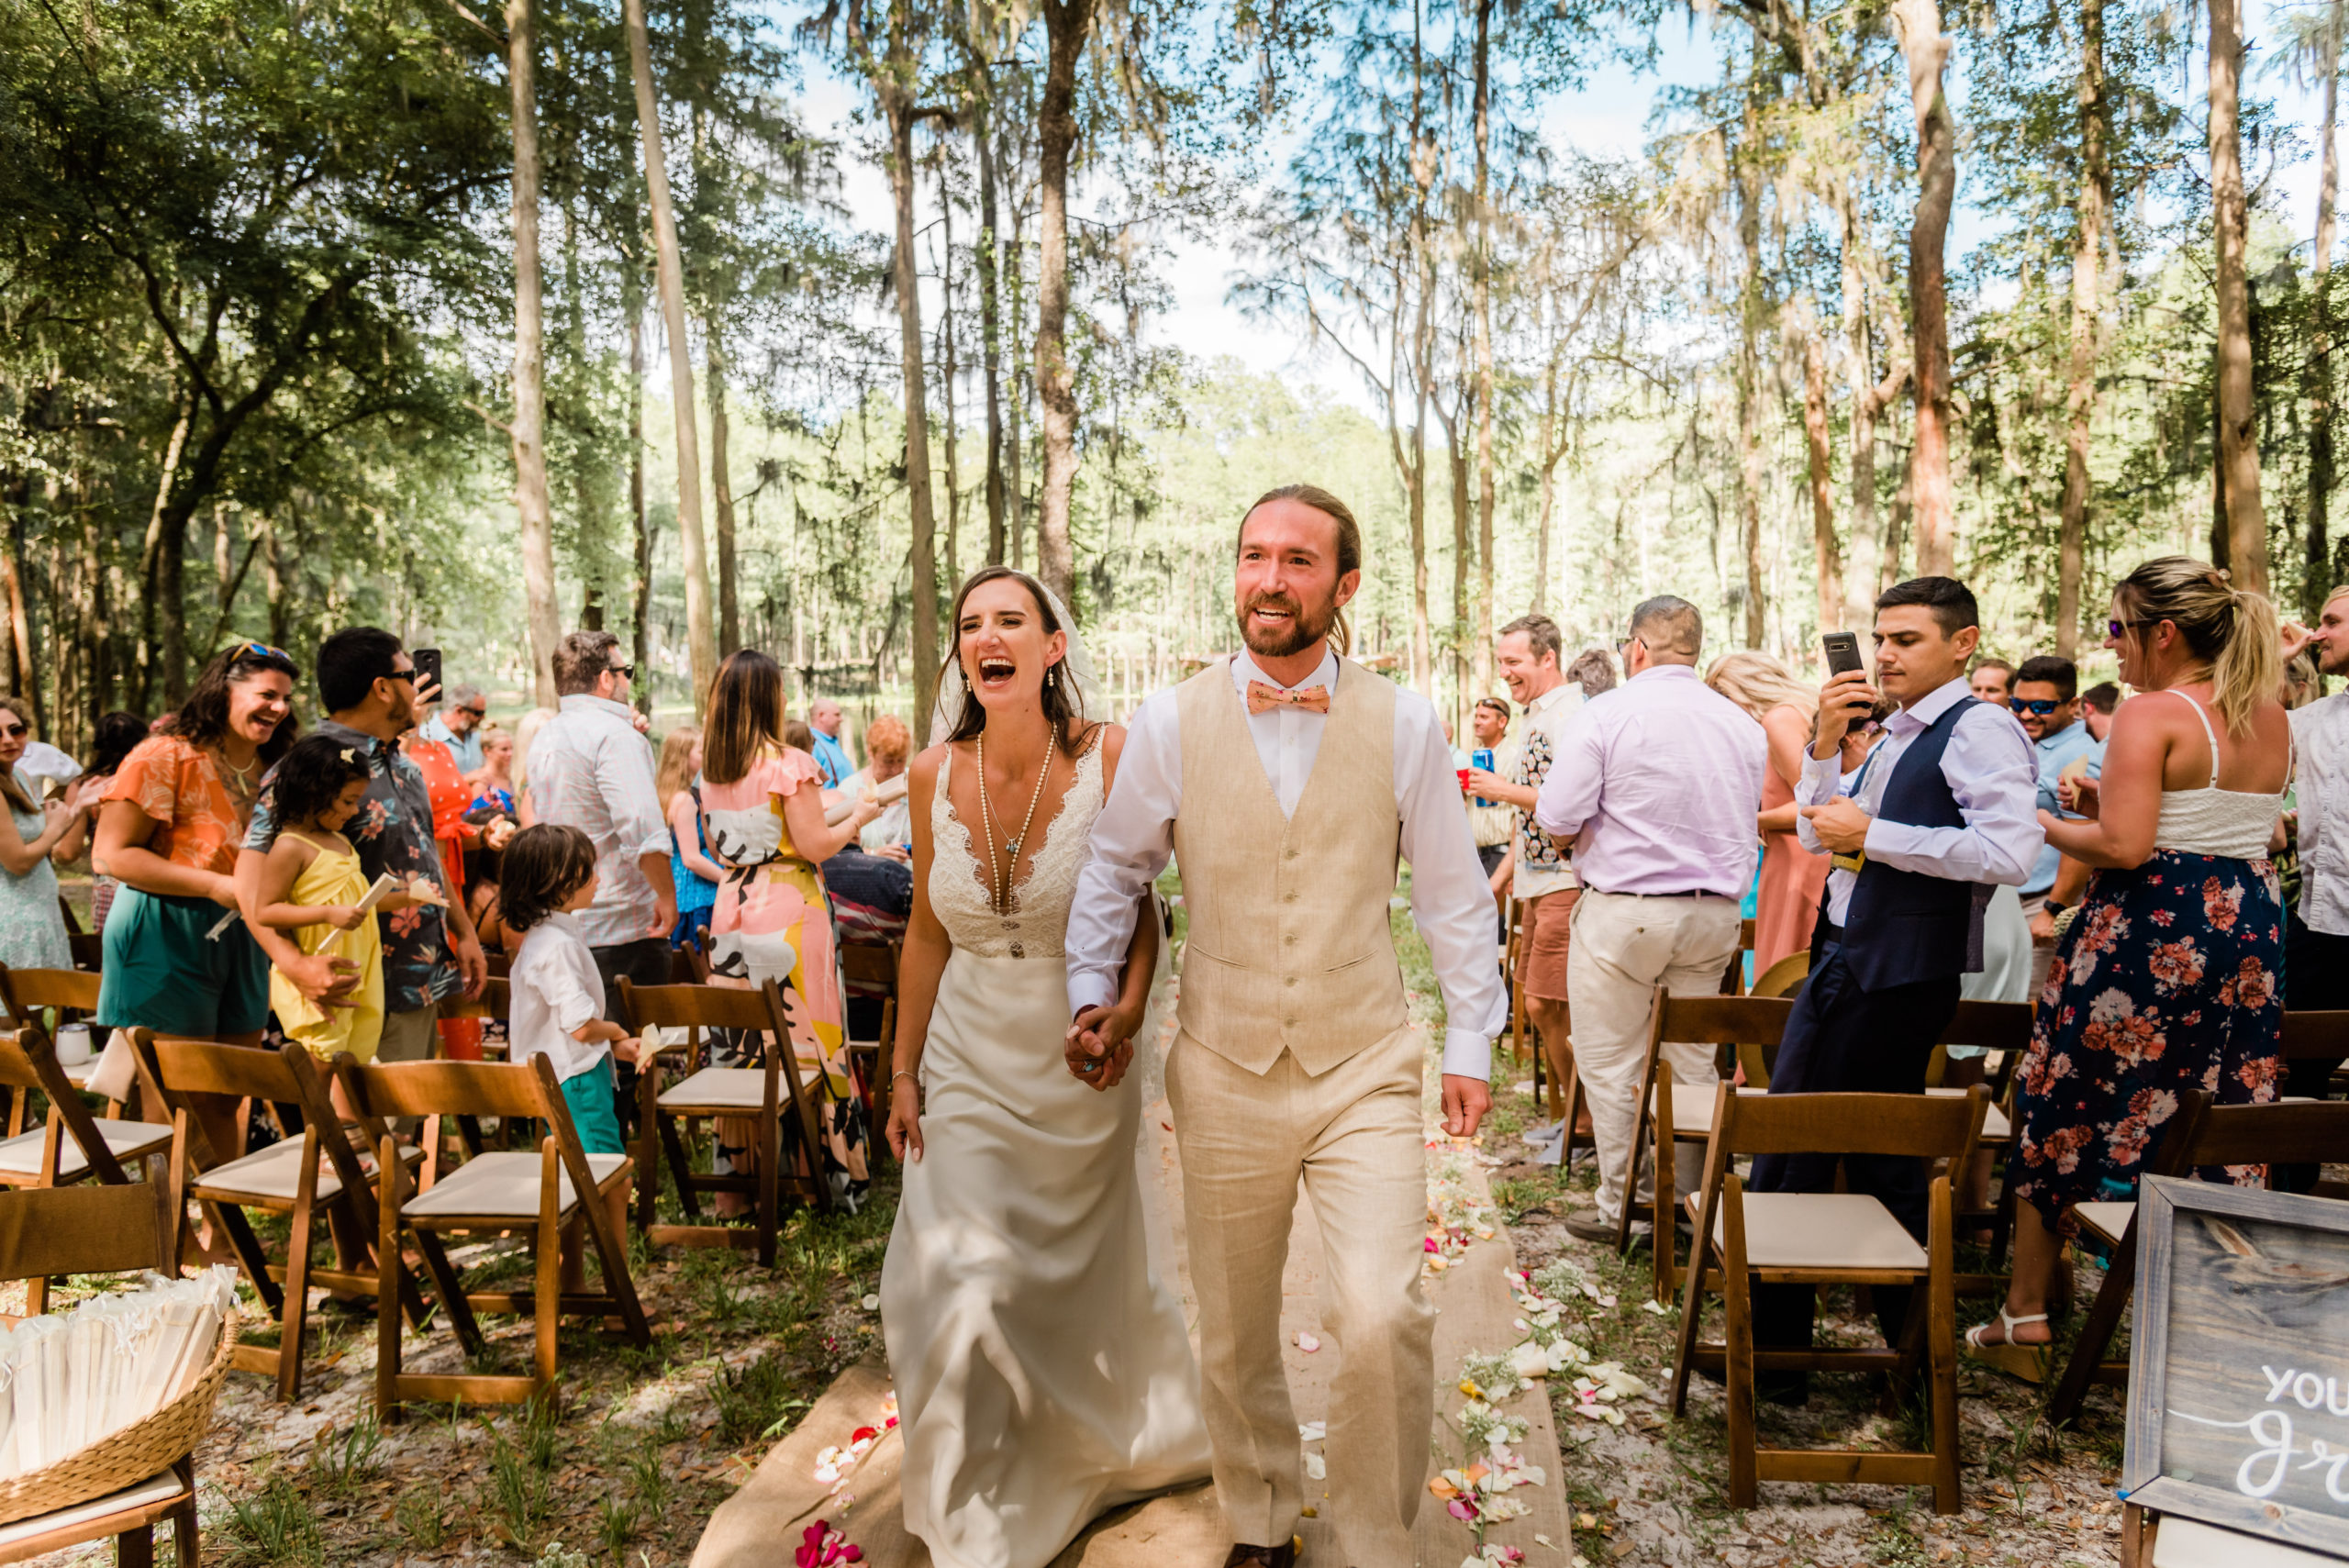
x=1262, y=698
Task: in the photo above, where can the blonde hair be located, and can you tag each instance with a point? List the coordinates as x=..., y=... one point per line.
x=2235, y=631
x=525, y=730
x=675, y=773
x=1757, y=683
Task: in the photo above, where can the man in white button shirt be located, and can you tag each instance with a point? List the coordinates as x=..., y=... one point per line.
x=1287, y=780
x=2316, y=934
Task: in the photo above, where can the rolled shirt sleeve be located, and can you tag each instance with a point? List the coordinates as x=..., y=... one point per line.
x=1822, y=780
x=1994, y=775
x=1132, y=840
x=1450, y=901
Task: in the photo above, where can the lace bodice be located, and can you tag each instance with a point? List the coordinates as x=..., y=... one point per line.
x=1037, y=924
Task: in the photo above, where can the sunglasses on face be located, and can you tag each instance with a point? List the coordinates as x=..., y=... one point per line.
x=14, y=731
x=477, y=712
x=2041, y=707
x=624, y=672
x=2113, y=628
x=407, y=674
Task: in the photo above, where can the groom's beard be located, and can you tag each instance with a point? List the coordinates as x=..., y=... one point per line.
x=1305, y=627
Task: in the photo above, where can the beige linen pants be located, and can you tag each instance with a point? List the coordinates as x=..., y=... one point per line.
x=1355, y=1137
x=1623, y=948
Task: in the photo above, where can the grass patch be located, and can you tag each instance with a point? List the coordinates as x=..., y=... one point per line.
x=276, y=1525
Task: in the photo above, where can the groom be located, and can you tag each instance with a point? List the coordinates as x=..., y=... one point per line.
x=1287, y=780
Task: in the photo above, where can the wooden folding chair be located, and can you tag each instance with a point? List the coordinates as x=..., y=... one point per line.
x=2316, y=1035
x=71, y=1144
x=1734, y=977
x=865, y=963
x=764, y=1095
x=91, y=1230
x=1784, y=977
x=1746, y=1239
x=537, y=1194
x=1520, y=1026
x=1680, y=1113
x=312, y=1174
x=2285, y=1132
x=73, y=993
x=2003, y=1027
x=88, y=948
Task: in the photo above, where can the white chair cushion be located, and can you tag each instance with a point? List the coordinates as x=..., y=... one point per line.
x=1692, y=1110
x=163, y=1488
x=504, y=1187
x=724, y=1088
x=20, y=1155
x=272, y=1175
x=1996, y=1127
x=2109, y=1220
x=1823, y=1231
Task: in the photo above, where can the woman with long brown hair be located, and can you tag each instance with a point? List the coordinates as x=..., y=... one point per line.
x=2167, y=977
x=33, y=833
x=1019, y=1256
x=763, y=806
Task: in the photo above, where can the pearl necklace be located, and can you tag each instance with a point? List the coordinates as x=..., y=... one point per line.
x=999, y=885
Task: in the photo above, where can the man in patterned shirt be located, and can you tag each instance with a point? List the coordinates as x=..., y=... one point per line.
x=367, y=685
x=1527, y=656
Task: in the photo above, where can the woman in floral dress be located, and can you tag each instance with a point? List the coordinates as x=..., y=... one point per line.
x=763, y=804
x=2167, y=979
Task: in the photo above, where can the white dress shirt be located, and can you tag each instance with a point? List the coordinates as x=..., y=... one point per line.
x=590, y=769
x=554, y=989
x=1451, y=902
x=1992, y=769
x=2320, y=735
x=1657, y=783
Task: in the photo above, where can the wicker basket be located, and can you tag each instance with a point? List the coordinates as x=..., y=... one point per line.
x=126, y=1457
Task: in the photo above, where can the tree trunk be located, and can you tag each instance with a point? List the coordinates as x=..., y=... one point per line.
x=1015, y=438
x=2238, y=440
x=2317, y=581
x=1748, y=362
x=1483, y=325
x=1551, y=448
x=1927, y=51
x=947, y=372
x=1456, y=454
x=152, y=555
x=991, y=335
x=1067, y=23
x=273, y=575
x=641, y=611
x=721, y=490
x=701, y=643
x=25, y=677
x=892, y=88
x=1823, y=480
x=534, y=511
x=2079, y=399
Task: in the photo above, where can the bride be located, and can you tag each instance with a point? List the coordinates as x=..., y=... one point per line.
x=1043, y=1374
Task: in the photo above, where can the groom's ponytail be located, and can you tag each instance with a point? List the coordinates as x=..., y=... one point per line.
x=1349, y=540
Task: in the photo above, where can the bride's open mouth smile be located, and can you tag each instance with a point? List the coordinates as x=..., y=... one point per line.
x=997, y=674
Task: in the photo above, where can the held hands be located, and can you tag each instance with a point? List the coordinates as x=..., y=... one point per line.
x=1465, y=1101
x=1842, y=703
x=322, y=978
x=1840, y=824
x=1099, y=1047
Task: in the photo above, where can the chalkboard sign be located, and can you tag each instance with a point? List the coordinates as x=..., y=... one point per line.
x=2239, y=1379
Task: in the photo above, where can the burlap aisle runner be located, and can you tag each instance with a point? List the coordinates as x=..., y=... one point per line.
x=764, y=1521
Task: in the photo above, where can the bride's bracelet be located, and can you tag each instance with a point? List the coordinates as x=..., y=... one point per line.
x=902, y=1072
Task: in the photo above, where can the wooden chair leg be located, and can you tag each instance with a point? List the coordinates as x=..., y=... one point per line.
x=295, y=1317
x=184, y=1541
x=770, y=1159
x=648, y=1145
x=682, y=1166
x=2137, y=1529
x=450, y=1288
x=2096, y=1334
x=548, y=1306
x=229, y=1220
x=1660, y=1213
x=1941, y=1340
x=619, y=1286
x=136, y=1547
x=1745, y=1482
x=1692, y=1304
x=389, y=1183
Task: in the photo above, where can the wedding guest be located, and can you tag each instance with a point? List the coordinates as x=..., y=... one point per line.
x=2095, y=709
x=367, y=685
x=1992, y=681
x=33, y=833
x=2167, y=979
x=494, y=784
x=589, y=768
x=1592, y=671
x=2046, y=693
x=888, y=748
x=460, y=726
x=677, y=781
x=525, y=735
x=824, y=720
x=1786, y=903
x=762, y=804
x=2316, y=936
x=112, y=741
x=1940, y=810
x=1527, y=658
x=444, y=785
x=1656, y=786
x=485, y=869
x=1493, y=823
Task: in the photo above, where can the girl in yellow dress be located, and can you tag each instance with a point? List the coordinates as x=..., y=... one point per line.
x=312, y=885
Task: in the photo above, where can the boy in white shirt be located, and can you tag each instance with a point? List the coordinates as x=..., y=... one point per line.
x=546, y=877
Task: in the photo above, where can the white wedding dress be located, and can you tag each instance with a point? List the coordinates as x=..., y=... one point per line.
x=1044, y=1373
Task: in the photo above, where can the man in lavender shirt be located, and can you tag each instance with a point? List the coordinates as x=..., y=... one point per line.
x=1657, y=783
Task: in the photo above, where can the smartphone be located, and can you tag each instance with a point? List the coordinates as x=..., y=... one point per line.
x=427, y=667
x=1843, y=652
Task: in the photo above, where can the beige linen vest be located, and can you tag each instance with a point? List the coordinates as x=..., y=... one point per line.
x=1289, y=945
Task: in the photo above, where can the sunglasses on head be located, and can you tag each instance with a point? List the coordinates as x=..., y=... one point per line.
x=2041, y=707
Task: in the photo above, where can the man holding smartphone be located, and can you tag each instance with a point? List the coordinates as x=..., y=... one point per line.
x=1944, y=809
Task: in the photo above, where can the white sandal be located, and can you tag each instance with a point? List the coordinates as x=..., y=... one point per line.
x=2028, y=1362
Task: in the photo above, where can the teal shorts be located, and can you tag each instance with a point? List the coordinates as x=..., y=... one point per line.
x=594, y=1115
x=163, y=973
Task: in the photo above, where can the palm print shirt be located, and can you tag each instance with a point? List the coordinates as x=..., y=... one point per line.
x=392, y=830
x=1543, y=863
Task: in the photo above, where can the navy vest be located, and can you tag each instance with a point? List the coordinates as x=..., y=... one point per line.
x=1903, y=926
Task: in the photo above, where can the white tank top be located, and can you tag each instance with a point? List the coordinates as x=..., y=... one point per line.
x=2234, y=823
